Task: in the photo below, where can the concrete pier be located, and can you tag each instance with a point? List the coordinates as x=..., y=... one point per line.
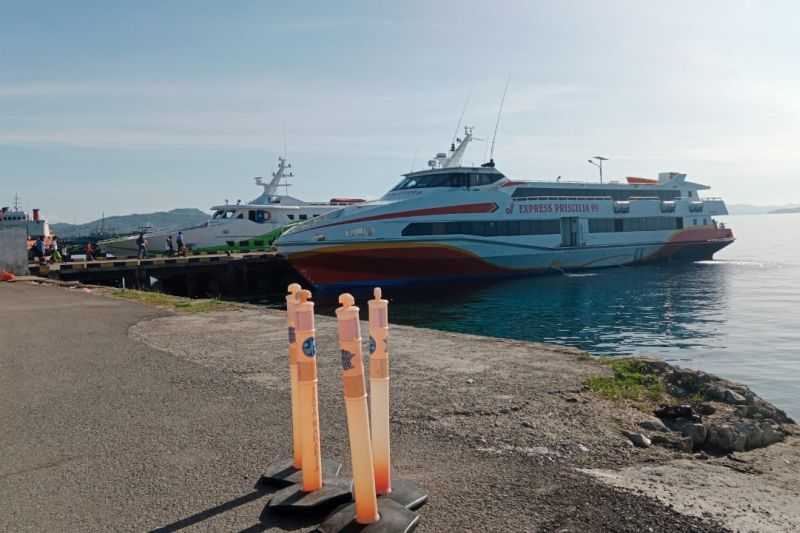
x=198, y=275
x=118, y=416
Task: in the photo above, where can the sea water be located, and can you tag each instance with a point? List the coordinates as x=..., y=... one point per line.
x=737, y=316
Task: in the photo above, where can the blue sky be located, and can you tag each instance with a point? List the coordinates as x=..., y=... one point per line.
x=123, y=107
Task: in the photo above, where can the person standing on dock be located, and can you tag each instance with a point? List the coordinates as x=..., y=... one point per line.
x=88, y=250
x=38, y=249
x=170, y=246
x=141, y=244
x=55, y=253
x=181, y=244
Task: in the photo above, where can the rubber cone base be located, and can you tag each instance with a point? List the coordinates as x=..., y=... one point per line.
x=407, y=493
x=283, y=473
x=394, y=519
x=334, y=491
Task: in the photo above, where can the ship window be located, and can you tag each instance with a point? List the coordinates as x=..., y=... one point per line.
x=258, y=243
x=492, y=228
x=314, y=216
x=244, y=243
x=581, y=192
x=447, y=179
x=241, y=216
x=689, y=194
x=616, y=225
x=303, y=217
x=256, y=216
x=291, y=217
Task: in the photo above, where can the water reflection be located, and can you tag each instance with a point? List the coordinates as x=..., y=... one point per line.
x=613, y=311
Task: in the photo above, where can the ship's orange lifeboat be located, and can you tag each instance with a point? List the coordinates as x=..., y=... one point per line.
x=632, y=180
x=7, y=276
x=346, y=201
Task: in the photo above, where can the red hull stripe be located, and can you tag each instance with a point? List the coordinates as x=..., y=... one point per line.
x=487, y=207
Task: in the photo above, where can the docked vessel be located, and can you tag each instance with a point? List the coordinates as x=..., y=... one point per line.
x=460, y=222
x=238, y=227
x=34, y=224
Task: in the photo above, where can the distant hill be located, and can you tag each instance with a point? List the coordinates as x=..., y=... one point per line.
x=125, y=224
x=785, y=211
x=746, y=209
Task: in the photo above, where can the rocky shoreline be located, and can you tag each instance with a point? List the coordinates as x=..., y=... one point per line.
x=710, y=414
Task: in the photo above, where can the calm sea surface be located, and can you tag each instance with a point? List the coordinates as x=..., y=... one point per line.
x=737, y=316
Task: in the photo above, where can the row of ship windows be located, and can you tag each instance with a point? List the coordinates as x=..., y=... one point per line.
x=496, y=228
x=614, y=225
x=615, y=194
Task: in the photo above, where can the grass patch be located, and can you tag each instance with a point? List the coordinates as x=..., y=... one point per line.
x=629, y=383
x=183, y=305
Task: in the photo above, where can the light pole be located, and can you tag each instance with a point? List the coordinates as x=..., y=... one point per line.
x=598, y=164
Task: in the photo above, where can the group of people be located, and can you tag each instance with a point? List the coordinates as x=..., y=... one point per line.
x=142, y=243
x=41, y=250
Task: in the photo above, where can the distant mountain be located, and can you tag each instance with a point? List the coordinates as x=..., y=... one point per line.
x=125, y=224
x=785, y=211
x=747, y=209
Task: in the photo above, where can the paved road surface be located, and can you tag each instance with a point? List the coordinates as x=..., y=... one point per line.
x=102, y=433
x=110, y=423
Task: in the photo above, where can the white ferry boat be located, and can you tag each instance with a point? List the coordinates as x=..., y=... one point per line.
x=239, y=227
x=460, y=222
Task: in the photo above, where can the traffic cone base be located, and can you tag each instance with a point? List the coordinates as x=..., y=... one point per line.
x=283, y=473
x=394, y=518
x=334, y=491
x=406, y=493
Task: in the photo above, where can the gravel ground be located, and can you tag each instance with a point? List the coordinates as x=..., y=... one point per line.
x=143, y=419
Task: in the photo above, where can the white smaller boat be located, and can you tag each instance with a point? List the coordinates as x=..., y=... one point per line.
x=238, y=227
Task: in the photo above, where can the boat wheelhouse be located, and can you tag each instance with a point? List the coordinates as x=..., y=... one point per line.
x=240, y=227
x=452, y=221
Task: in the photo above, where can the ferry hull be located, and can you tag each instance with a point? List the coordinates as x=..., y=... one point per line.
x=407, y=263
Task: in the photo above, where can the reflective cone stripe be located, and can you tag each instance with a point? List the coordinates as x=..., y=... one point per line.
x=307, y=393
x=379, y=390
x=355, y=398
x=291, y=300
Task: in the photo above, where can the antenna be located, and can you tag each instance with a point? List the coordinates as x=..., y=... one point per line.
x=461, y=118
x=499, y=113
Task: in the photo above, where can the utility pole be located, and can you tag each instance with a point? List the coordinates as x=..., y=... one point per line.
x=599, y=164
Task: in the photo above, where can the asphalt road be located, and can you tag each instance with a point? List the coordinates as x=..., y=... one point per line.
x=102, y=433
x=121, y=417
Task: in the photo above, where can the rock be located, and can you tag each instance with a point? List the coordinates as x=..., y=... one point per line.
x=772, y=434
x=706, y=409
x=721, y=437
x=470, y=381
x=734, y=398
x=671, y=440
x=674, y=411
x=678, y=392
x=638, y=439
x=654, y=425
x=697, y=432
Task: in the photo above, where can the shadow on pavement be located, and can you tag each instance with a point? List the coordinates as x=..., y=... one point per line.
x=212, y=512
